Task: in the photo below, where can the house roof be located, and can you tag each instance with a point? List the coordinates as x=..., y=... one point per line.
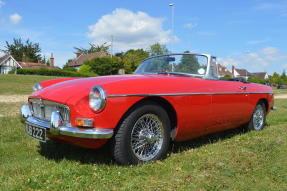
x=222, y=70
x=84, y=57
x=3, y=58
x=243, y=72
x=33, y=65
x=260, y=75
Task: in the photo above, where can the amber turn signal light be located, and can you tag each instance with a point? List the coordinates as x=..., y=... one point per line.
x=84, y=122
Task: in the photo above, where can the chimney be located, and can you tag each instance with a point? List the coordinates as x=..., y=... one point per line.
x=233, y=68
x=52, y=60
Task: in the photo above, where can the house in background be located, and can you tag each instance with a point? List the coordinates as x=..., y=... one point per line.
x=240, y=73
x=8, y=63
x=81, y=58
x=243, y=73
x=223, y=71
x=260, y=75
x=38, y=64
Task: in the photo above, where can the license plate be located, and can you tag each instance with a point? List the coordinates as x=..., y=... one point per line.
x=38, y=133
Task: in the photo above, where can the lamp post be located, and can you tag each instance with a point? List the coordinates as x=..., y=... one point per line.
x=172, y=5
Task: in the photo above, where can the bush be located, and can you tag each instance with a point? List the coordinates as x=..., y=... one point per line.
x=226, y=77
x=105, y=65
x=69, y=68
x=50, y=72
x=257, y=80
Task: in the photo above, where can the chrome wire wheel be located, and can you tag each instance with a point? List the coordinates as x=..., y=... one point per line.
x=258, y=117
x=147, y=137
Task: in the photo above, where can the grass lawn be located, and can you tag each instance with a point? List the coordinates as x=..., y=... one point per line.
x=230, y=160
x=20, y=84
x=280, y=91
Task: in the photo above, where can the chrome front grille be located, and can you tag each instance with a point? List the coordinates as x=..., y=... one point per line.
x=42, y=109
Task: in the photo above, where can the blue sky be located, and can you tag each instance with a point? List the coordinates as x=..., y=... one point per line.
x=249, y=34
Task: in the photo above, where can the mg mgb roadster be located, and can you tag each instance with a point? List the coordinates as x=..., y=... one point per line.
x=173, y=97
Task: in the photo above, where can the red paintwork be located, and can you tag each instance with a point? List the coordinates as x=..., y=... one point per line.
x=196, y=114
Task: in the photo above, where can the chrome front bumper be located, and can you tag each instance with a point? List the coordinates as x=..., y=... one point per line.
x=56, y=127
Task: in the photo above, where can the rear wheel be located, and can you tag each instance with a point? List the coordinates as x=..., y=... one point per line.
x=143, y=136
x=257, y=121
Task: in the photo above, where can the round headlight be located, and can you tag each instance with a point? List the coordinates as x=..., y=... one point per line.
x=97, y=99
x=37, y=87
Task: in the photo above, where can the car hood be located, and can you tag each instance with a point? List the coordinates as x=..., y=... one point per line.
x=114, y=85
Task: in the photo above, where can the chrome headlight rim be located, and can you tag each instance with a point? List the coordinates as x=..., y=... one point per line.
x=97, y=92
x=36, y=87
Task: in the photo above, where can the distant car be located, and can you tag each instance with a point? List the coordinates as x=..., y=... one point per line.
x=281, y=87
x=173, y=97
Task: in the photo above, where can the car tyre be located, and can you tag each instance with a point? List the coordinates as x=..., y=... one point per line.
x=258, y=119
x=142, y=136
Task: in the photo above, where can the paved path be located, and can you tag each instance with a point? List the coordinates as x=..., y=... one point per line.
x=280, y=96
x=13, y=98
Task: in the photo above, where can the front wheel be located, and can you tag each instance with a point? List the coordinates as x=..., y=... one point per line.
x=257, y=121
x=143, y=136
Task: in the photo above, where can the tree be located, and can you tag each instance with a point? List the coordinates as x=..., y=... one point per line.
x=85, y=69
x=105, y=65
x=94, y=48
x=26, y=51
x=276, y=79
x=188, y=63
x=133, y=58
x=283, y=77
x=157, y=49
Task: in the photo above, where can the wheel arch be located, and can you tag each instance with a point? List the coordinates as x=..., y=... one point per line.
x=167, y=106
x=265, y=102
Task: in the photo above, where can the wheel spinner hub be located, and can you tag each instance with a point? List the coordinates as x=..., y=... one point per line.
x=147, y=137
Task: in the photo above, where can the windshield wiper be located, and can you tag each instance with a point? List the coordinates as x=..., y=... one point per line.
x=162, y=72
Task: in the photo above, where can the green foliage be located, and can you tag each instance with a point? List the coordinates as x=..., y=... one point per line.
x=24, y=51
x=188, y=64
x=257, y=80
x=133, y=58
x=50, y=72
x=284, y=78
x=69, y=68
x=157, y=49
x=86, y=69
x=105, y=65
x=226, y=77
x=275, y=79
x=93, y=48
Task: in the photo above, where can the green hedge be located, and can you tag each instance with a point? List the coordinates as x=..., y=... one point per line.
x=50, y=72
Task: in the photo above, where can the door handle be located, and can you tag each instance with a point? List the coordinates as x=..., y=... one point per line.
x=242, y=87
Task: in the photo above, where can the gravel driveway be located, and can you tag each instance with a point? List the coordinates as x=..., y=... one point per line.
x=281, y=96
x=13, y=98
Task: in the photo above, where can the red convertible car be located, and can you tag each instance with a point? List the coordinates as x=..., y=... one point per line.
x=172, y=97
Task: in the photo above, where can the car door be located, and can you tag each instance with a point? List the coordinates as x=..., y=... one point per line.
x=229, y=104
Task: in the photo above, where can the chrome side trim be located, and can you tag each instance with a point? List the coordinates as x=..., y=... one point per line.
x=180, y=94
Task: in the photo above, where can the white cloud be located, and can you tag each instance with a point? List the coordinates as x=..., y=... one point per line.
x=190, y=25
x=262, y=60
x=130, y=30
x=2, y=3
x=15, y=18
